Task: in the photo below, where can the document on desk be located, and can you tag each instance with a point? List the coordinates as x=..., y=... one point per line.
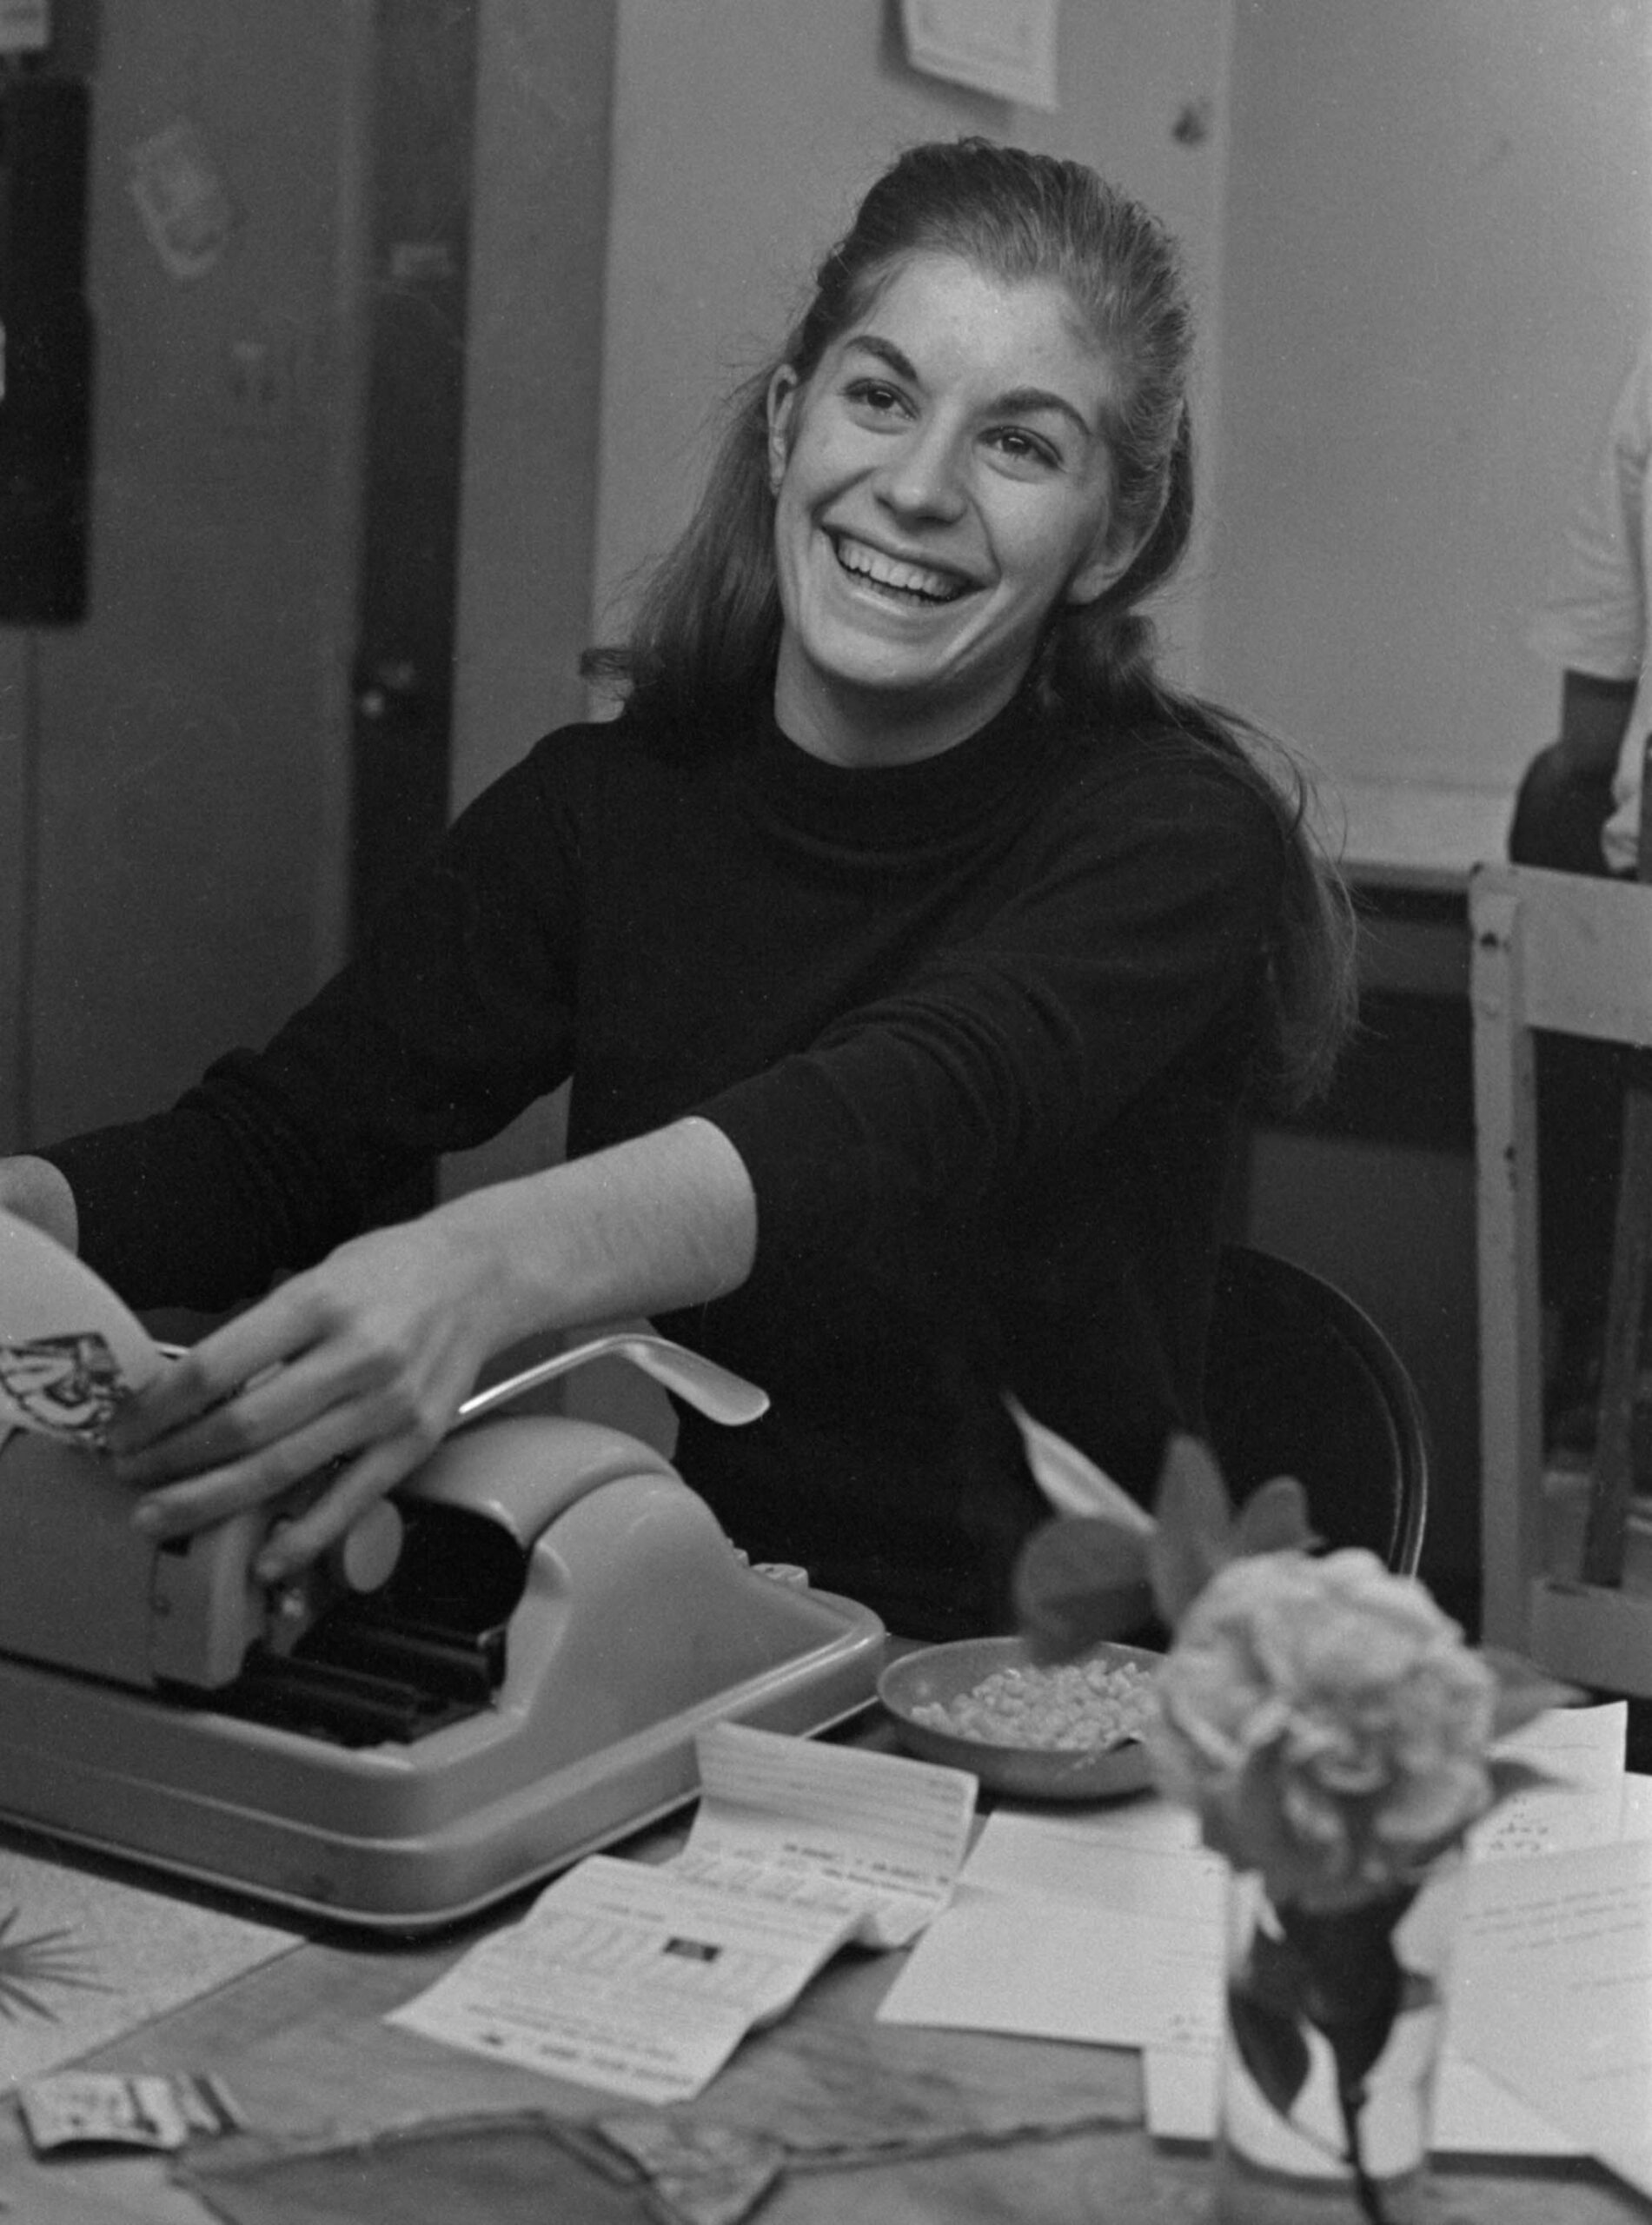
x=628, y=1978
x=1551, y=1994
x=642, y=1978
x=1582, y=1751
x=790, y=1818
x=1071, y=1929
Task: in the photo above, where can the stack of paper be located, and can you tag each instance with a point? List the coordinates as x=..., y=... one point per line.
x=1106, y=1926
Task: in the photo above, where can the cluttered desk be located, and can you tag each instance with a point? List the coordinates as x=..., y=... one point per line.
x=1035, y=2044
x=718, y=1945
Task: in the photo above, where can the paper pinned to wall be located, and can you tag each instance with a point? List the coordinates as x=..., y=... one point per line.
x=181, y=196
x=25, y=26
x=1005, y=47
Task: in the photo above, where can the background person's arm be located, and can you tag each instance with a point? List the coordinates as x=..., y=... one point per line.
x=1594, y=714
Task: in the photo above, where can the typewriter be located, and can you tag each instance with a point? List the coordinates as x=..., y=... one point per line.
x=501, y=1669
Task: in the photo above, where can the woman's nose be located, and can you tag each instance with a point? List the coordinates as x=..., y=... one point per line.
x=925, y=479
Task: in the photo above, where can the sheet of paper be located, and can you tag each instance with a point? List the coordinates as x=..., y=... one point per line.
x=1583, y=1748
x=1635, y=1820
x=1552, y=1993
x=85, y=1957
x=799, y=1820
x=1019, y=1853
x=629, y=1977
x=1062, y=1969
x=69, y=1351
x=1005, y=47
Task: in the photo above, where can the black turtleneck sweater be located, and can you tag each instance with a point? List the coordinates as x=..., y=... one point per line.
x=978, y=1028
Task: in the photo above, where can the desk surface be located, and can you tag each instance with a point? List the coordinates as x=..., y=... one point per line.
x=302, y=2043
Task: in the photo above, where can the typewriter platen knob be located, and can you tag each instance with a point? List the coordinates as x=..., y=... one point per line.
x=366, y=1555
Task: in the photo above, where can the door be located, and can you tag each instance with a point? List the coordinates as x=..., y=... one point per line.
x=424, y=82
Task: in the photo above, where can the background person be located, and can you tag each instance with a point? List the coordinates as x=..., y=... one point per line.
x=1579, y=811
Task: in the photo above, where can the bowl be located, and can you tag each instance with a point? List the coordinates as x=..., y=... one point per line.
x=941, y=1674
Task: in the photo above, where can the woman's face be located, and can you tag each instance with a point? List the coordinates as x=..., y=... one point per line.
x=942, y=483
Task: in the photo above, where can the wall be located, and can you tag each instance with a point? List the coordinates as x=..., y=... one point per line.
x=1437, y=262
x=744, y=131
x=181, y=751
x=1437, y=259
x=534, y=395
x=534, y=368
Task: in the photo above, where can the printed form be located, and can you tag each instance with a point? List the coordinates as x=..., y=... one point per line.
x=642, y=1979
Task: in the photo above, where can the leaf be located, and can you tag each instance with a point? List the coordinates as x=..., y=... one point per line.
x=1193, y=1539
x=1523, y=1690
x=1079, y=1579
x=1271, y=2048
x=1508, y=1776
x=1274, y=1519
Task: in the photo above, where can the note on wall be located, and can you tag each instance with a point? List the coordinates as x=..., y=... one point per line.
x=181, y=196
x=1006, y=47
x=25, y=26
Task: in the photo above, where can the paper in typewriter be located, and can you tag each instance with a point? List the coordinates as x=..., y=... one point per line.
x=70, y=1350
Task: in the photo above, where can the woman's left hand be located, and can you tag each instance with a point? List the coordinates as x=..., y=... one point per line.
x=352, y=1371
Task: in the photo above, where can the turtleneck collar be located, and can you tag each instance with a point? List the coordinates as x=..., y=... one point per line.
x=923, y=804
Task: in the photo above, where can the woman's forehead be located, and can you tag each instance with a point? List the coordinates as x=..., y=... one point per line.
x=948, y=311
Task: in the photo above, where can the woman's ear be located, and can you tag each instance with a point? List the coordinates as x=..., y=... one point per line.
x=1107, y=563
x=783, y=390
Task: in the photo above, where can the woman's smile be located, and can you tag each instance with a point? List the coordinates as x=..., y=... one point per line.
x=902, y=579
x=943, y=483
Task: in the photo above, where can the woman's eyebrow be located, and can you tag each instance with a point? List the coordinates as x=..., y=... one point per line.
x=1018, y=401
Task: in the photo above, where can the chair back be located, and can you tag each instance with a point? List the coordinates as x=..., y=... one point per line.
x=1300, y=1381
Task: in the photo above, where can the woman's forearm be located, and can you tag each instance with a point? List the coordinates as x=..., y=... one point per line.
x=666, y=1220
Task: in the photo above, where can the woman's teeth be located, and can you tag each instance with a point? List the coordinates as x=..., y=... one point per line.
x=889, y=572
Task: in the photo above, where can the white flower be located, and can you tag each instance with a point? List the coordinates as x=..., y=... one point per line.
x=1327, y=1723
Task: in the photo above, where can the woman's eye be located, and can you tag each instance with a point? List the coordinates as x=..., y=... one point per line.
x=1022, y=447
x=872, y=396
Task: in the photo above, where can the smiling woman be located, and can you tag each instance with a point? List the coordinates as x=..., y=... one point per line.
x=911, y=946
x=942, y=484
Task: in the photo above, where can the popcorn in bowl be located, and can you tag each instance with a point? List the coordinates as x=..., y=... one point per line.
x=1078, y=1707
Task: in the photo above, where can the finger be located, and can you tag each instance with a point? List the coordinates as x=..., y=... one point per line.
x=228, y=1361
x=280, y=1403
x=179, y=1506
x=294, y=1545
x=179, y=1392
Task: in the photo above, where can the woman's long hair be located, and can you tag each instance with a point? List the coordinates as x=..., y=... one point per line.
x=706, y=629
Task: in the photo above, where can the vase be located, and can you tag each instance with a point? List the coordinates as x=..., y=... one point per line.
x=1332, y=2036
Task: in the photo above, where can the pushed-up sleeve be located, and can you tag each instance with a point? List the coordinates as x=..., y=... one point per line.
x=1140, y=929
x=454, y=1017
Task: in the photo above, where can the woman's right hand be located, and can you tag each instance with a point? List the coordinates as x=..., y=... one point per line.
x=35, y=1191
